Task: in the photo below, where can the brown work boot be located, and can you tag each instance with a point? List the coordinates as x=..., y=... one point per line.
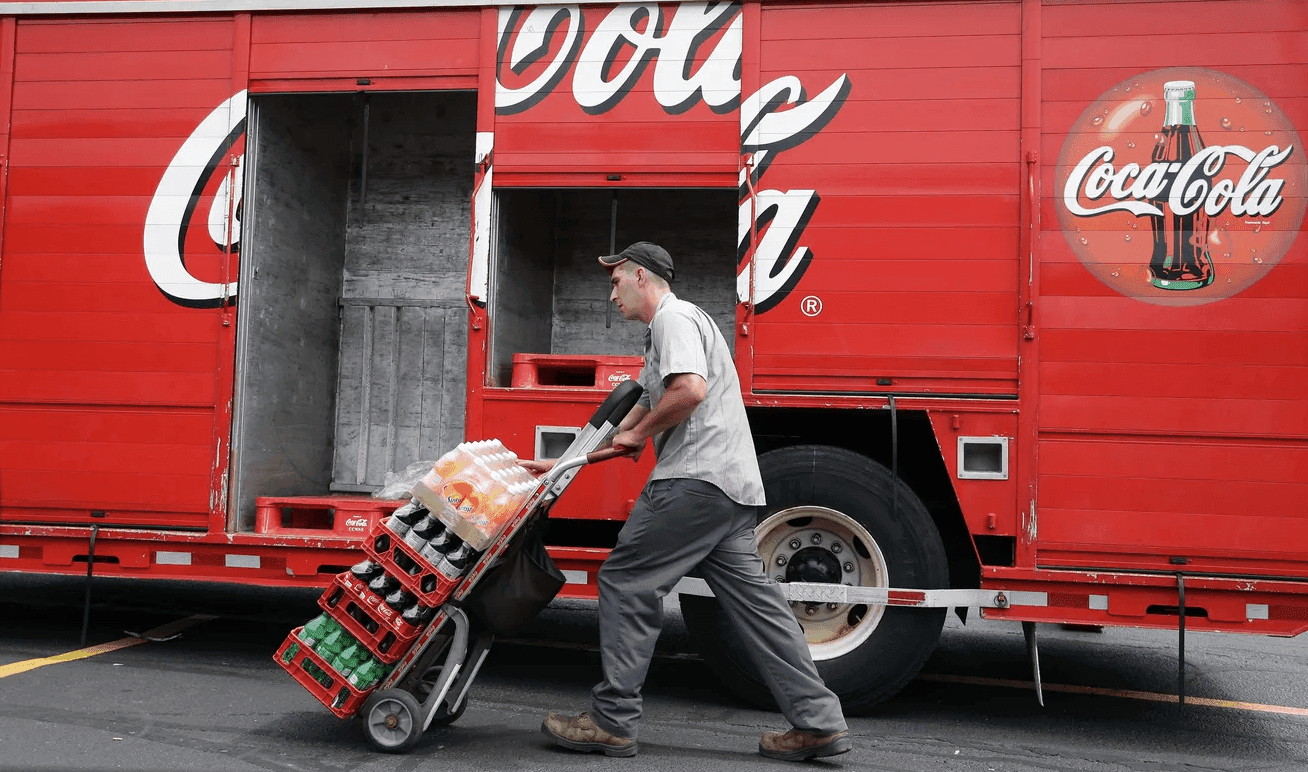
x=581, y=734
x=802, y=746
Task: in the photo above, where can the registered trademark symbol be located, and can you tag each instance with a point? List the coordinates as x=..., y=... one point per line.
x=811, y=305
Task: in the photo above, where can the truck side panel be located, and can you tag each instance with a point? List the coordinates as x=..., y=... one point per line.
x=900, y=276
x=109, y=386
x=1173, y=422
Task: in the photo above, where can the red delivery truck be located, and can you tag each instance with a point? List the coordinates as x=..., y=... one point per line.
x=1016, y=288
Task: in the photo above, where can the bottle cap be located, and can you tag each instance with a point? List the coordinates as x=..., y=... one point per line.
x=1174, y=90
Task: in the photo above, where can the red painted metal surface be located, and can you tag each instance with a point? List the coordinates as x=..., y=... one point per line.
x=912, y=236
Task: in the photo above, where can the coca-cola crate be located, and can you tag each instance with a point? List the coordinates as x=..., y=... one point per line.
x=441, y=586
x=387, y=637
x=330, y=688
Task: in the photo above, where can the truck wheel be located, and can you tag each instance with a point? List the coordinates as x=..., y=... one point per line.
x=829, y=519
x=392, y=721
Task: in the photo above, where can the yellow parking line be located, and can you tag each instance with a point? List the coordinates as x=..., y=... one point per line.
x=1123, y=693
x=161, y=631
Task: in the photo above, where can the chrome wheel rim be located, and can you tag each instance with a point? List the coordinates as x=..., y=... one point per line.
x=817, y=544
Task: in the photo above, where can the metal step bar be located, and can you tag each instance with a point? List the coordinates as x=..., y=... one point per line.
x=811, y=592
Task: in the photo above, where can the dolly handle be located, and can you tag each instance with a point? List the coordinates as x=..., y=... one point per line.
x=595, y=456
x=604, y=454
x=619, y=402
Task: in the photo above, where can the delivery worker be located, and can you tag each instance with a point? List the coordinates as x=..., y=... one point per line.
x=698, y=511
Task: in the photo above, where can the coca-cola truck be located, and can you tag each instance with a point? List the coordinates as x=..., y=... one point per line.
x=1016, y=290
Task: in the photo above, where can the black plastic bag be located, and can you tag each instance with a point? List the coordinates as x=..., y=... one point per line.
x=515, y=590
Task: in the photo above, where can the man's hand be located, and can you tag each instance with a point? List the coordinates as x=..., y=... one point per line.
x=631, y=441
x=538, y=468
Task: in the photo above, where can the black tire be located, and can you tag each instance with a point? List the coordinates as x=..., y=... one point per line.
x=889, y=652
x=392, y=721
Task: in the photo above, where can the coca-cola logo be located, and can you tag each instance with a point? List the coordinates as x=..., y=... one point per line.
x=356, y=523
x=1181, y=186
x=192, y=229
x=695, y=50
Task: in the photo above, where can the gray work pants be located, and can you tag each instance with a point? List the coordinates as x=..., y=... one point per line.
x=680, y=525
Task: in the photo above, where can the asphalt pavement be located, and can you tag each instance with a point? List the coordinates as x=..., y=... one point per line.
x=213, y=699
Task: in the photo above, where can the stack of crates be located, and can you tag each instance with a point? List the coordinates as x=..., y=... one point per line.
x=342, y=655
x=362, y=621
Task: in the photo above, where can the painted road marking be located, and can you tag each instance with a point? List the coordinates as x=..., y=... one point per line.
x=1123, y=693
x=162, y=631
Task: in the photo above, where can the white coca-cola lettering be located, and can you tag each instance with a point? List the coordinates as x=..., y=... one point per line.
x=1186, y=187
x=594, y=85
x=765, y=126
x=717, y=80
x=175, y=201
x=634, y=30
x=779, y=261
x=532, y=42
x=777, y=117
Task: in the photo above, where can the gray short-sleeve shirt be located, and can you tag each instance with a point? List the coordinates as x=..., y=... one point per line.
x=714, y=444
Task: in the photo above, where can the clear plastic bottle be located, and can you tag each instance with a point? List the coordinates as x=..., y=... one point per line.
x=365, y=571
x=383, y=585
x=417, y=615
x=457, y=562
x=400, y=599
x=404, y=518
x=436, y=548
x=449, y=464
x=420, y=534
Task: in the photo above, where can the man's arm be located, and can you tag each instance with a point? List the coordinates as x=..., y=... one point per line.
x=684, y=393
x=632, y=418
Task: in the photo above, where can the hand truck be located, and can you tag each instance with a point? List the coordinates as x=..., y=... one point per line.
x=433, y=670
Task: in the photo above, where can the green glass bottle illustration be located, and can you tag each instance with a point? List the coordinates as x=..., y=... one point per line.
x=1180, y=258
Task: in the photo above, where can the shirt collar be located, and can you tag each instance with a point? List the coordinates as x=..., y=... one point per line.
x=662, y=302
x=649, y=336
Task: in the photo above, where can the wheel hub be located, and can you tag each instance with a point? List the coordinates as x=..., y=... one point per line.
x=392, y=721
x=819, y=545
x=813, y=564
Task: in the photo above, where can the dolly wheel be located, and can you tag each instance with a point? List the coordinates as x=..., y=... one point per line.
x=392, y=721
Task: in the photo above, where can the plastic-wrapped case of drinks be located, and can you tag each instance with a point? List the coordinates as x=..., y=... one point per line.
x=474, y=490
x=376, y=610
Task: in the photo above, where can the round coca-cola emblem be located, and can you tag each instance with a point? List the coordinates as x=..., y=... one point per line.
x=1181, y=186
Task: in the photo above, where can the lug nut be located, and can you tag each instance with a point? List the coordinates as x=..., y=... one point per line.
x=781, y=560
x=832, y=606
x=796, y=544
x=849, y=567
x=810, y=610
x=837, y=547
x=816, y=538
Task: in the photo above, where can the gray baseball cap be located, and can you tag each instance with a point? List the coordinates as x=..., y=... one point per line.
x=643, y=253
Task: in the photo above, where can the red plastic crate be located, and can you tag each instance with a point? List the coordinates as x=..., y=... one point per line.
x=334, y=692
x=411, y=582
x=392, y=632
x=351, y=516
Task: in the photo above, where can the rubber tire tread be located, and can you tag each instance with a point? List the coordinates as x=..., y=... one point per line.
x=410, y=703
x=859, y=487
